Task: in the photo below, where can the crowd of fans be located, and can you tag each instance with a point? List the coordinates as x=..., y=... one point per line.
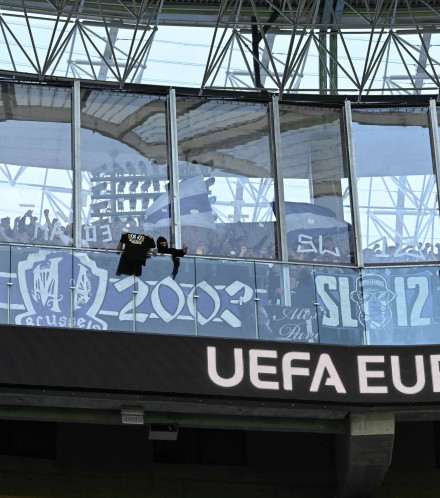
x=28, y=229
x=234, y=240
x=401, y=253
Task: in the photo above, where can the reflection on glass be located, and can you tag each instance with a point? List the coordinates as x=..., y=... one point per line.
x=124, y=167
x=225, y=302
x=340, y=312
x=5, y=279
x=286, y=310
x=35, y=153
x=400, y=305
x=41, y=294
x=165, y=305
x=226, y=185
x=101, y=299
x=316, y=189
x=396, y=186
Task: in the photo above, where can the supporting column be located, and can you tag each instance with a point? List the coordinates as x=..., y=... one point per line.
x=363, y=453
x=76, y=162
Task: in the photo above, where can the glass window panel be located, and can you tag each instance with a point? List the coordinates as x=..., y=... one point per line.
x=35, y=164
x=5, y=280
x=124, y=167
x=226, y=184
x=41, y=294
x=286, y=306
x=225, y=303
x=339, y=306
x=400, y=305
x=165, y=305
x=102, y=300
x=316, y=189
x=396, y=185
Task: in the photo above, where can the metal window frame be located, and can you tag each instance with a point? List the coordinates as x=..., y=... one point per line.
x=348, y=129
x=173, y=168
x=76, y=162
x=277, y=171
x=435, y=146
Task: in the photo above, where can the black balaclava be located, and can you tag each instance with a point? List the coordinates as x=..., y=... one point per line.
x=162, y=248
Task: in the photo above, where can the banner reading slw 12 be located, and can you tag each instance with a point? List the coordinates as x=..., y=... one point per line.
x=229, y=368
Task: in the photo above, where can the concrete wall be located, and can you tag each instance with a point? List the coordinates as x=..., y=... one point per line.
x=41, y=459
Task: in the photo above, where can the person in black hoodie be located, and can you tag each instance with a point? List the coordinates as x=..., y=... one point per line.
x=176, y=254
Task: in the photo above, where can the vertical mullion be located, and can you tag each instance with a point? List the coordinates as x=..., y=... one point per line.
x=435, y=145
x=173, y=168
x=76, y=163
x=280, y=209
x=348, y=128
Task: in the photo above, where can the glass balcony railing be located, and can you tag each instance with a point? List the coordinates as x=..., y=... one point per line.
x=210, y=297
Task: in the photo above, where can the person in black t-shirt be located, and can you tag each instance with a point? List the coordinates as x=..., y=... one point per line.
x=135, y=252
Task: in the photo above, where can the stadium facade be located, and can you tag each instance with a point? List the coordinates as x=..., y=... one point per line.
x=294, y=351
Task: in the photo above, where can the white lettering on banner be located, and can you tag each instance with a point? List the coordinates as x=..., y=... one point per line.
x=126, y=312
x=157, y=303
x=51, y=296
x=331, y=317
x=215, y=298
x=255, y=368
x=318, y=374
x=435, y=372
x=324, y=368
x=402, y=311
x=403, y=250
x=295, y=331
x=83, y=292
x=422, y=284
x=344, y=300
x=106, y=233
x=335, y=295
x=289, y=371
x=365, y=374
x=325, y=364
x=322, y=250
x=236, y=378
x=44, y=228
x=420, y=375
x=307, y=240
x=60, y=321
x=159, y=306
x=57, y=231
x=46, y=284
x=235, y=288
x=142, y=293
x=91, y=232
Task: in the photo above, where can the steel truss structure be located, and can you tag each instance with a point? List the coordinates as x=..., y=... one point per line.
x=320, y=46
